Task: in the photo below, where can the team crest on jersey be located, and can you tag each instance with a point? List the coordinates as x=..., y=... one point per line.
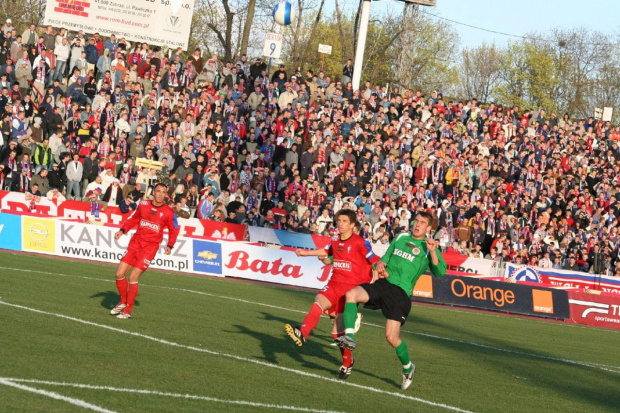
x=416, y=251
x=348, y=250
x=161, y=214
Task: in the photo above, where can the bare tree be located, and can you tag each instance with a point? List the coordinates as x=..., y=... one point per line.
x=425, y=52
x=479, y=71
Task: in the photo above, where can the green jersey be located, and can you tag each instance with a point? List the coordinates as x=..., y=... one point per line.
x=407, y=258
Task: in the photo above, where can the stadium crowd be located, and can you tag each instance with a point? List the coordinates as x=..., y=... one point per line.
x=287, y=151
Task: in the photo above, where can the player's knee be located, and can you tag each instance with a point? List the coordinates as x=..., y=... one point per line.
x=392, y=338
x=119, y=274
x=351, y=296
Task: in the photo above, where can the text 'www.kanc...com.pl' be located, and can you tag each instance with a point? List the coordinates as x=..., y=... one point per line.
x=112, y=256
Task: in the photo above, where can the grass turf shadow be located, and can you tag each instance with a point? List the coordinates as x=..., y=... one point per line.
x=109, y=299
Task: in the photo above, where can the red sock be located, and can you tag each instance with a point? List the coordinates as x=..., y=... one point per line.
x=311, y=320
x=132, y=292
x=347, y=357
x=122, y=289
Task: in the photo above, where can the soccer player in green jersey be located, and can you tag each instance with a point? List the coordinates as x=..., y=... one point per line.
x=408, y=256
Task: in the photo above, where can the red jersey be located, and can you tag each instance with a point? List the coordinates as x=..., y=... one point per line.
x=353, y=259
x=151, y=221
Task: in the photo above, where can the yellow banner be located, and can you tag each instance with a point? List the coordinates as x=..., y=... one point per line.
x=150, y=164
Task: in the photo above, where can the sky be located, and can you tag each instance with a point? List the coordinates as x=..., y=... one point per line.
x=519, y=17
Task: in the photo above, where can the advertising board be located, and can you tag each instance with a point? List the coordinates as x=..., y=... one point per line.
x=156, y=22
x=492, y=295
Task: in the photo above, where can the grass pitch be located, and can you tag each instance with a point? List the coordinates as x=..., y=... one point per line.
x=204, y=344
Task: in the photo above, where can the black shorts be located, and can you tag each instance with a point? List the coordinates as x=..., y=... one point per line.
x=394, y=303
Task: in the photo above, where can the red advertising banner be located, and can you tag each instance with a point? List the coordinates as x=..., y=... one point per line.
x=594, y=310
x=15, y=203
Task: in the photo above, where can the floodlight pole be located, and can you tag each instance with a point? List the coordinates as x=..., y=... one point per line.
x=361, y=44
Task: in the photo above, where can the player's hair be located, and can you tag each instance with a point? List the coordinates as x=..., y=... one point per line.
x=348, y=213
x=427, y=215
x=160, y=184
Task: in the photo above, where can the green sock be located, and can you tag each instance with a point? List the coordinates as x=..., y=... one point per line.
x=349, y=316
x=403, y=355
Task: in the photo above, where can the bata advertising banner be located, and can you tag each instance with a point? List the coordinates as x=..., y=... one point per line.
x=568, y=280
x=595, y=310
x=492, y=295
x=157, y=22
x=97, y=243
x=252, y=262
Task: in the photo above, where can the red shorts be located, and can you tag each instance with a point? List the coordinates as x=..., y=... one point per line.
x=140, y=254
x=335, y=292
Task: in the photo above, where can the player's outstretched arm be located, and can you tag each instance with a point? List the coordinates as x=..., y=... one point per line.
x=311, y=253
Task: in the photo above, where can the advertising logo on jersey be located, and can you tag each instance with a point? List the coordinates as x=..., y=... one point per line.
x=38, y=235
x=10, y=232
x=404, y=255
x=341, y=265
x=207, y=257
x=150, y=225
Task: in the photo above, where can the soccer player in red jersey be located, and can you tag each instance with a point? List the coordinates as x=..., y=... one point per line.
x=151, y=217
x=352, y=266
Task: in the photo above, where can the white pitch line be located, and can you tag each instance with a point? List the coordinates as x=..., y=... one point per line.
x=235, y=357
x=167, y=394
x=71, y=400
x=613, y=369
